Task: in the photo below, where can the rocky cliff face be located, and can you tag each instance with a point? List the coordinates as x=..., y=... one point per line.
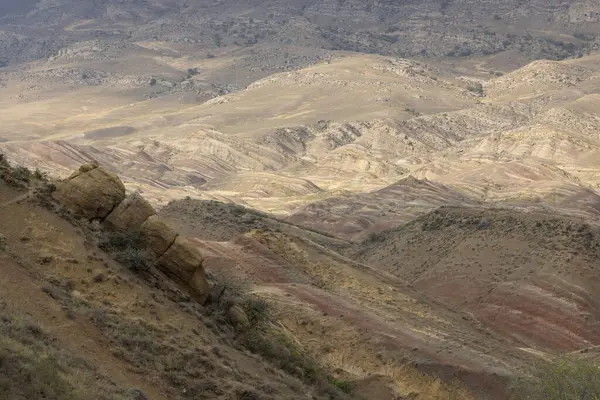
x=96, y=194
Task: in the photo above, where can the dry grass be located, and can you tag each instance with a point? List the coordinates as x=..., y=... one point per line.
x=33, y=367
x=563, y=379
x=151, y=332
x=263, y=337
x=128, y=248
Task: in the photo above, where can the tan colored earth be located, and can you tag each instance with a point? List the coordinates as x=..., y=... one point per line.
x=422, y=221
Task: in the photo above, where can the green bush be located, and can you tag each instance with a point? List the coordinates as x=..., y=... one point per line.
x=564, y=379
x=39, y=175
x=476, y=88
x=343, y=385
x=192, y=72
x=128, y=248
x=135, y=259
x=120, y=241
x=256, y=309
x=21, y=173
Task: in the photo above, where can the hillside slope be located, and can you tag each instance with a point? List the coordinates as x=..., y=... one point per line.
x=532, y=277
x=478, y=295
x=82, y=326
x=324, y=136
x=355, y=216
x=460, y=294
x=439, y=28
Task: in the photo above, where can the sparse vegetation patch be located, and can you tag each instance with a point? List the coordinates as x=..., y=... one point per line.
x=128, y=248
x=563, y=379
x=32, y=366
x=477, y=87
x=262, y=336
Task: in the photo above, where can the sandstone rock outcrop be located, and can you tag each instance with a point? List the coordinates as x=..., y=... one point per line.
x=238, y=317
x=97, y=194
x=158, y=234
x=130, y=214
x=92, y=192
x=182, y=262
x=199, y=285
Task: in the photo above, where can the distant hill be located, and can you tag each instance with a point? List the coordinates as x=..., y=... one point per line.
x=366, y=199
x=449, y=28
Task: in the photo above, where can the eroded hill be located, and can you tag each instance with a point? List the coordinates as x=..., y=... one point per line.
x=80, y=325
x=339, y=136
x=305, y=178
x=456, y=304
x=454, y=28
x=477, y=295
x=531, y=276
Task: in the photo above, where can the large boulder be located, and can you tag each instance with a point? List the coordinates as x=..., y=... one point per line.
x=92, y=192
x=130, y=214
x=182, y=262
x=159, y=235
x=238, y=317
x=87, y=167
x=199, y=284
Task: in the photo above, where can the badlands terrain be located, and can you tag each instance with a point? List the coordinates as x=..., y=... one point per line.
x=351, y=146
x=411, y=189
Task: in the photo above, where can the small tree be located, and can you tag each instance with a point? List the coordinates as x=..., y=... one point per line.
x=477, y=87
x=218, y=39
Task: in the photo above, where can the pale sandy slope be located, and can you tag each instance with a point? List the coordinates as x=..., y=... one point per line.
x=354, y=125
x=334, y=146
